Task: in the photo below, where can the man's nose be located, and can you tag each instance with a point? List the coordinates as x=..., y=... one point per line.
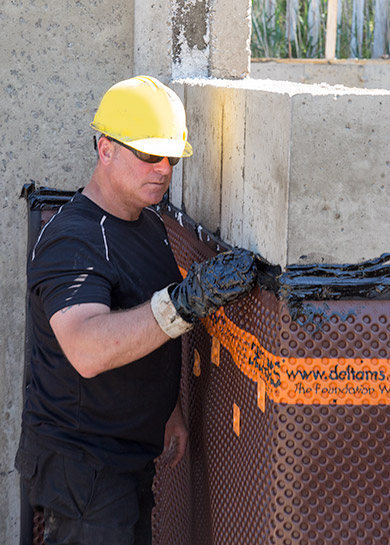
x=163, y=166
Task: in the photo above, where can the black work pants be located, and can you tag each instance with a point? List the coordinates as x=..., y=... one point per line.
x=85, y=506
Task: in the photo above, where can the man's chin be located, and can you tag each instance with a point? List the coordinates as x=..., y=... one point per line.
x=155, y=197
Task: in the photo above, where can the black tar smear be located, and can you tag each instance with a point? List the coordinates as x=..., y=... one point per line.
x=369, y=279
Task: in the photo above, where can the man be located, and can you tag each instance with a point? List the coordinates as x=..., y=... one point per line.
x=108, y=307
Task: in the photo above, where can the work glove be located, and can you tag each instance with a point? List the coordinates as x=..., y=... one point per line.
x=208, y=285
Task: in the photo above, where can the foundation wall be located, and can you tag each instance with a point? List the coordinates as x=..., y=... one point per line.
x=296, y=172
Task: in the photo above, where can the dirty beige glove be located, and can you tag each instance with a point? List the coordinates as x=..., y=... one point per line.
x=208, y=286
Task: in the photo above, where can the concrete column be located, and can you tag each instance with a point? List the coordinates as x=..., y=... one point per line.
x=196, y=38
x=190, y=38
x=230, y=31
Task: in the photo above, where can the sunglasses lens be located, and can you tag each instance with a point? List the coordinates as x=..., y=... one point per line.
x=147, y=157
x=173, y=160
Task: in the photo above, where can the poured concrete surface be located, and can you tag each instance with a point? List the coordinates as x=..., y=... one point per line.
x=230, y=23
x=265, y=213
x=339, y=178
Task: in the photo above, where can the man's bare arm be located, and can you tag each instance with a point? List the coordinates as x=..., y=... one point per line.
x=95, y=339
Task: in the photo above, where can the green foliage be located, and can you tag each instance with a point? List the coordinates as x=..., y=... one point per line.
x=272, y=38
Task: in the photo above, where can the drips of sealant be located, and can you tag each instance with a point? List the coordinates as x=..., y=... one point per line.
x=267, y=274
x=312, y=317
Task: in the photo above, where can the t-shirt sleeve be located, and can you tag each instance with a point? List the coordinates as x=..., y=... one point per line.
x=69, y=271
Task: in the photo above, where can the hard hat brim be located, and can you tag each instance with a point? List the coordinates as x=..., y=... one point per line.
x=163, y=147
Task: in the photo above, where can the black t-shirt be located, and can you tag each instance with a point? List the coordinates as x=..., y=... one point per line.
x=86, y=255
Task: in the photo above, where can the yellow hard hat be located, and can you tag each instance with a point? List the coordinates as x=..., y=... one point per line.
x=145, y=114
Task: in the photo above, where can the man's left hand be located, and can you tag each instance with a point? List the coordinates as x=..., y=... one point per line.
x=176, y=436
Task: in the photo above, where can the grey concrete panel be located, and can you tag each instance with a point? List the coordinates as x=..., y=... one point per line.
x=202, y=172
x=347, y=74
x=230, y=30
x=266, y=175
x=56, y=61
x=339, y=178
x=152, y=39
x=377, y=75
x=176, y=186
x=233, y=166
x=279, y=71
x=12, y=294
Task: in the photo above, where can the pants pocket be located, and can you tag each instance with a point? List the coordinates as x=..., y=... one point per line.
x=80, y=480
x=26, y=463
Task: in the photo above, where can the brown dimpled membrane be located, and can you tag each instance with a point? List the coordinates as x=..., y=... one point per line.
x=309, y=463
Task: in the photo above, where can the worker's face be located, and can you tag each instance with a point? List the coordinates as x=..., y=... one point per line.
x=137, y=182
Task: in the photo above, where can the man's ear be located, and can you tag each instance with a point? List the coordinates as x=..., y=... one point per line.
x=105, y=149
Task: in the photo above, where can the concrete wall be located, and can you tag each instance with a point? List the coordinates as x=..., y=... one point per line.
x=299, y=173
x=56, y=60
x=369, y=74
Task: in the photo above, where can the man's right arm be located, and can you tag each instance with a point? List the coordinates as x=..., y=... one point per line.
x=95, y=339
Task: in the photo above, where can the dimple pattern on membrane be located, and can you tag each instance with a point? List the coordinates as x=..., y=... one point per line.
x=303, y=461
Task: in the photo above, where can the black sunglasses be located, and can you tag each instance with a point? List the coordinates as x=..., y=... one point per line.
x=146, y=157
